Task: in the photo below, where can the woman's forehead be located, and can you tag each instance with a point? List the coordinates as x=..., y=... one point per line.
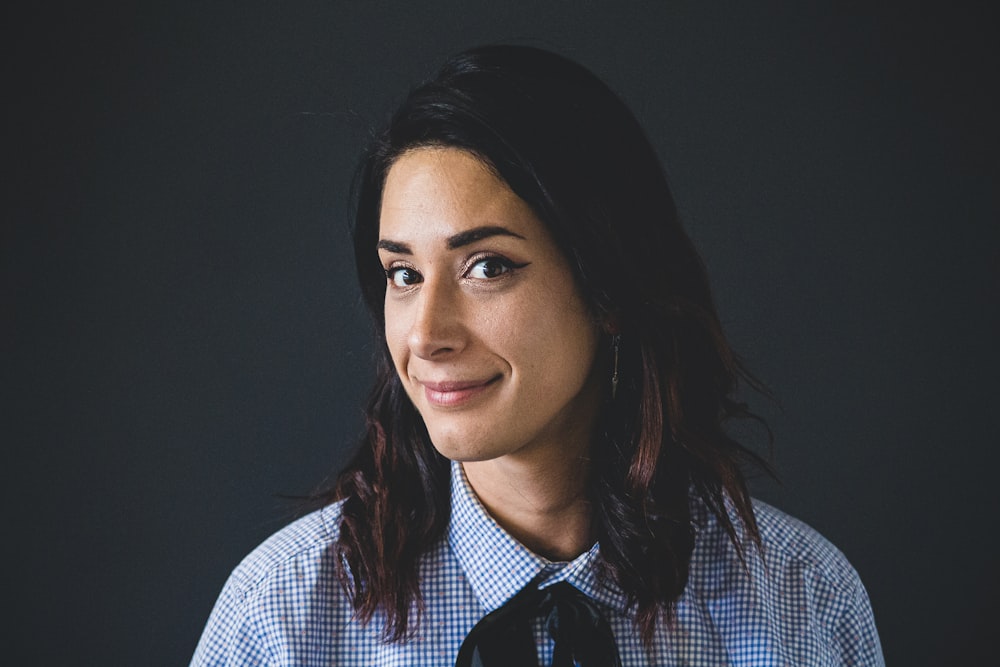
x=444, y=191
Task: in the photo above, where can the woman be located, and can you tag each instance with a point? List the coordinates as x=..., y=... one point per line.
x=546, y=477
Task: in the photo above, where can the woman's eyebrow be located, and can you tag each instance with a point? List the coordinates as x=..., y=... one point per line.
x=478, y=233
x=394, y=246
x=456, y=241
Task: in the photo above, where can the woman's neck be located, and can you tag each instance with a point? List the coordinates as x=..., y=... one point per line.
x=543, y=507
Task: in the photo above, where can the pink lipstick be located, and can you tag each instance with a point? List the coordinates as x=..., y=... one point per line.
x=453, y=394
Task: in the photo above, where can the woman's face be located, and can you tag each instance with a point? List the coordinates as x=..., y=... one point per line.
x=484, y=321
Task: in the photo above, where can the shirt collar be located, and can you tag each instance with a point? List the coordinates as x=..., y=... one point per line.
x=497, y=566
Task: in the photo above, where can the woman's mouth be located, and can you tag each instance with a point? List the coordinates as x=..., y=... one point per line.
x=450, y=393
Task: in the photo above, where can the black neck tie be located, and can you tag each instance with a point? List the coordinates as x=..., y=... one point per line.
x=503, y=638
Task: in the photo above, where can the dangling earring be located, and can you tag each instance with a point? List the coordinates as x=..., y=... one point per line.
x=616, y=341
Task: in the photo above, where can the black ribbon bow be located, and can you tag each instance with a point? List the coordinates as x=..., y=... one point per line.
x=503, y=638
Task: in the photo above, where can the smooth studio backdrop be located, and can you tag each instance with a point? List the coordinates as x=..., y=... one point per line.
x=184, y=344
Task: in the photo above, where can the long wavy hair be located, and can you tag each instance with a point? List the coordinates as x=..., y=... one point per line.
x=571, y=149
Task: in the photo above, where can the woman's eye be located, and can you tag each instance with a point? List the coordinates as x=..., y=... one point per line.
x=489, y=267
x=401, y=276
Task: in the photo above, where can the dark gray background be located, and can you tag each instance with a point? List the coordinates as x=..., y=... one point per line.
x=183, y=338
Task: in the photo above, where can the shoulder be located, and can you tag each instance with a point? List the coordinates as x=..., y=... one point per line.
x=791, y=544
x=286, y=587
x=791, y=551
x=298, y=548
x=807, y=575
x=798, y=592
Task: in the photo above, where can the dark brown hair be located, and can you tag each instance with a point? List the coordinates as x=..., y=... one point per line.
x=567, y=145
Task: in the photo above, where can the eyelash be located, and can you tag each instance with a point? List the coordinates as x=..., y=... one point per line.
x=508, y=267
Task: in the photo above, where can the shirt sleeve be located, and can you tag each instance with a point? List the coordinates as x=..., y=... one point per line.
x=856, y=633
x=230, y=636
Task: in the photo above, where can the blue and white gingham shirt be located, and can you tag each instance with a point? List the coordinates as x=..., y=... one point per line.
x=283, y=606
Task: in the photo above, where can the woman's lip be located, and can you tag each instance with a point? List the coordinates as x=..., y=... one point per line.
x=445, y=387
x=452, y=393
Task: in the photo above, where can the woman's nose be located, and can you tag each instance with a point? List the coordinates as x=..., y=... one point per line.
x=437, y=327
